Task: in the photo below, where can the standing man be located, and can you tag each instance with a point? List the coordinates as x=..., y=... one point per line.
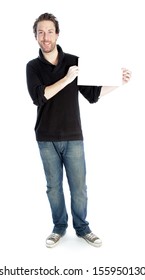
x=52, y=84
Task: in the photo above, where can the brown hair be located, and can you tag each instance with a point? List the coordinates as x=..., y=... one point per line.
x=46, y=16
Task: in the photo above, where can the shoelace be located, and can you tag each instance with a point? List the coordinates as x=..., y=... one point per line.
x=54, y=237
x=91, y=236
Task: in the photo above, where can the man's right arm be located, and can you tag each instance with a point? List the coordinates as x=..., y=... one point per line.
x=53, y=89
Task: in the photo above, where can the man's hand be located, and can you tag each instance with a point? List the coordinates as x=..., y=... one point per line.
x=126, y=75
x=72, y=73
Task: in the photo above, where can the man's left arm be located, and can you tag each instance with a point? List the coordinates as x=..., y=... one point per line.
x=126, y=76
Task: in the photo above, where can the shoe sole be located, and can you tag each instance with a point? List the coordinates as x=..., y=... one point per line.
x=92, y=244
x=52, y=245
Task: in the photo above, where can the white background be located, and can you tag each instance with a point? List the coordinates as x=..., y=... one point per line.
x=114, y=139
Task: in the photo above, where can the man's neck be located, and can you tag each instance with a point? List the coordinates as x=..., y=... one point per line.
x=52, y=56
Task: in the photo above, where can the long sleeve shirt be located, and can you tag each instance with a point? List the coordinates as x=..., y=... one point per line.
x=58, y=118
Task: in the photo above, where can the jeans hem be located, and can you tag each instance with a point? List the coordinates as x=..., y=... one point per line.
x=83, y=233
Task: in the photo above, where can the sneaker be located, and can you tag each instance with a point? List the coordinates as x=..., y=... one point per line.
x=52, y=239
x=92, y=239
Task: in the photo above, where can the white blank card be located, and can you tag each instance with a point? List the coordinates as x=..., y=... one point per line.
x=95, y=73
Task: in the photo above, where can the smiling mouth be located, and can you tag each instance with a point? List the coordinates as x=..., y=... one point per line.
x=46, y=43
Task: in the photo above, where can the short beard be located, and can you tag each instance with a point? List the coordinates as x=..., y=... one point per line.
x=44, y=50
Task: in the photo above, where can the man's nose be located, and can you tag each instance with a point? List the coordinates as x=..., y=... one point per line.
x=46, y=36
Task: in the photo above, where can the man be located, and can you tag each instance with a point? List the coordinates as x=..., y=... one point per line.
x=52, y=84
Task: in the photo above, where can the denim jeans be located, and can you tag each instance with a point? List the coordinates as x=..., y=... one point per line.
x=69, y=154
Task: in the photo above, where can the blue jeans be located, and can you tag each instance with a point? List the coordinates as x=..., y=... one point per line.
x=69, y=154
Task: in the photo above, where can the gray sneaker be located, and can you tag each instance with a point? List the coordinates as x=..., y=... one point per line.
x=92, y=239
x=52, y=239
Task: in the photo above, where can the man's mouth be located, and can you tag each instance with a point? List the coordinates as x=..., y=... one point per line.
x=46, y=43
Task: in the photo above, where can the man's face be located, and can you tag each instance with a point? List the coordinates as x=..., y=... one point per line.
x=46, y=36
